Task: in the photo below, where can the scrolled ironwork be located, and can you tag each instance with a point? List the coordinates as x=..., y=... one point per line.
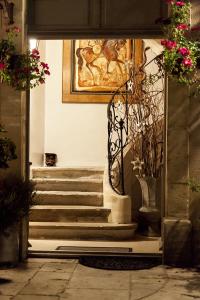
x=128, y=113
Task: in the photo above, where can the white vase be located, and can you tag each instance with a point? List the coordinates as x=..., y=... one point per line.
x=150, y=216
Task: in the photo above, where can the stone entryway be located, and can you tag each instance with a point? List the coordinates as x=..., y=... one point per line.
x=70, y=206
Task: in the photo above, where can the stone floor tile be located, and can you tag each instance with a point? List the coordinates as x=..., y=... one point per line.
x=86, y=271
x=11, y=289
x=170, y=295
x=157, y=272
x=97, y=294
x=35, y=297
x=50, y=287
x=18, y=274
x=31, y=264
x=148, y=281
x=111, y=281
x=60, y=267
x=177, y=273
x=190, y=286
x=140, y=291
x=46, y=276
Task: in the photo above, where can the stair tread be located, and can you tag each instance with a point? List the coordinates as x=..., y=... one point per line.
x=81, y=193
x=70, y=207
x=51, y=169
x=84, y=225
x=82, y=179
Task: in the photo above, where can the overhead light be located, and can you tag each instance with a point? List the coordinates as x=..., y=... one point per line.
x=33, y=44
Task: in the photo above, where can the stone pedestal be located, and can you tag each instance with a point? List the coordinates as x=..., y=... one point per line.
x=177, y=242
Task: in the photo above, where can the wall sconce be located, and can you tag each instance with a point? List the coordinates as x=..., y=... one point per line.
x=8, y=9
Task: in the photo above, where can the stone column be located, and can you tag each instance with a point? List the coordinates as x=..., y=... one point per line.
x=13, y=115
x=194, y=173
x=176, y=224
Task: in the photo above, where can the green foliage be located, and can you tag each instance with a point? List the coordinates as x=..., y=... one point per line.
x=194, y=185
x=21, y=71
x=180, y=53
x=16, y=199
x=7, y=149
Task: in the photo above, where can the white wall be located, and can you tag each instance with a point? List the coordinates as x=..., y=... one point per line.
x=37, y=121
x=77, y=133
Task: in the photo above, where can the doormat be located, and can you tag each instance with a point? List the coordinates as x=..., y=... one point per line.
x=120, y=263
x=94, y=249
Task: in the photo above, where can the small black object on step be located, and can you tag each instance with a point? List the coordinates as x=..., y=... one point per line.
x=121, y=262
x=50, y=159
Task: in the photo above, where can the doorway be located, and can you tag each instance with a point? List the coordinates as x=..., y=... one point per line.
x=76, y=131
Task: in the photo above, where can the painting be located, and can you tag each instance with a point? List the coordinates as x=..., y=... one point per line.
x=94, y=69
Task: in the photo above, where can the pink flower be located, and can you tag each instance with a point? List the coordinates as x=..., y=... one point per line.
x=46, y=72
x=45, y=66
x=2, y=66
x=184, y=51
x=163, y=42
x=16, y=29
x=41, y=80
x=35, y=52
x=168, y=44
x=36, y=70
x=182, y=26
x=180, y=3
x=187, y=62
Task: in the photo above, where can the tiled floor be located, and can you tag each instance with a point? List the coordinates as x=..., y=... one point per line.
x=47, y=279
x=138, y=245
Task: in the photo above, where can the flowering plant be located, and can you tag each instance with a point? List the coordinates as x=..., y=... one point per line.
x=21, y=71
x=181, y=54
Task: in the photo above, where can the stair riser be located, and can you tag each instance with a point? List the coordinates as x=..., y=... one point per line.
x=81, y=234
x=67, y=216
x=88, y=200
x=70, y=186
x=53, y=173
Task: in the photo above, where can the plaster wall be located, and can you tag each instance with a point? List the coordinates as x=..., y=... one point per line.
x=77, y=133
x=37, y=119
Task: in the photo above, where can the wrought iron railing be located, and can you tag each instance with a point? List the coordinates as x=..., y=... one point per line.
x=118, y=138
x=121, y=122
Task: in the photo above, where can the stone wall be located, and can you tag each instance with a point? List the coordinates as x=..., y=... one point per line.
x=13, y=113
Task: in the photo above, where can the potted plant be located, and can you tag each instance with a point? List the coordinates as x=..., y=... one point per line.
x=16, y=199
x=181, y=54
x=147, y=115
x=22, y=71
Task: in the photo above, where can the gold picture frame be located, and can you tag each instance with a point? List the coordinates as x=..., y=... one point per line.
x=92, y=93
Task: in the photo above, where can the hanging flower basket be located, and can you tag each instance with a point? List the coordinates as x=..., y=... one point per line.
x=21, y=71
x=181, y=55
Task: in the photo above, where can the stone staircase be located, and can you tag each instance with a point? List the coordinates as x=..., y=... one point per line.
x=70, y=206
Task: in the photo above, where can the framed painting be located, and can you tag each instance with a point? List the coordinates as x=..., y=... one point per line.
x=94, y=69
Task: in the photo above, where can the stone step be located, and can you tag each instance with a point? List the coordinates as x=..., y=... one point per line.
x=76, y=172
x=69, y=198
x=69, y=184
x=64, y=213
x=81, y=231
